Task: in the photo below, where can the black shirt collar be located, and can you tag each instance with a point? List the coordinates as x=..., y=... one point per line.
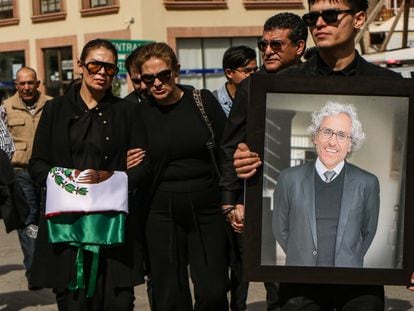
x=349, y=70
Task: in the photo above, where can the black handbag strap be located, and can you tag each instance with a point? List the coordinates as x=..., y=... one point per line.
x=210, y=144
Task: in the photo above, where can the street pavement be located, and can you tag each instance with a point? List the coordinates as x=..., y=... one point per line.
x=14, y=295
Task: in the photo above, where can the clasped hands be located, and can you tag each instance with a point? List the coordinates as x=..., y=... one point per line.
x=235, y=216
x=245, y=163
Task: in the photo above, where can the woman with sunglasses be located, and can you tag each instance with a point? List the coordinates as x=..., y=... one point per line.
x=185, y=224
x=89, y=128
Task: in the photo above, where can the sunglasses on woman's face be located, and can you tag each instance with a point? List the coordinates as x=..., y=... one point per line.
x=164, y=76
x=329, y=16
x=95, y=66
x=136, y=80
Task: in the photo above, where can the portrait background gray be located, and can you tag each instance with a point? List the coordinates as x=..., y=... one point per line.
x=384, y=120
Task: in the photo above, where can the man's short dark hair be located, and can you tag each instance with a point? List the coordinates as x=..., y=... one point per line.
x=238, y=56
x=356, y=5
x=291, y=21
x=130, y=59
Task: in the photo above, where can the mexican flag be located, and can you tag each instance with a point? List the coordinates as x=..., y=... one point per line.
x=86, y=209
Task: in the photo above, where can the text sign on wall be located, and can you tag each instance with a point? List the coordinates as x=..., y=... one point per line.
x=124, y=48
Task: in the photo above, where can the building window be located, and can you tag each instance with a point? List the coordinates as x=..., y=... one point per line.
x=302, y=149
x=201, y=59
x=272, y=4
x=95, y=3
x=50, y=6
x=8, y=13
x=10, y=62
x=99, y=7
x=6, y=9
x=48, y=10
x=58, y=69
x=195, y=4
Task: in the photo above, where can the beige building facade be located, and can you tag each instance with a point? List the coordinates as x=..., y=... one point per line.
x=48, y=35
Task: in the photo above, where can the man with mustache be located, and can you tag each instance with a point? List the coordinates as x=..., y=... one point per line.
x=282, y=45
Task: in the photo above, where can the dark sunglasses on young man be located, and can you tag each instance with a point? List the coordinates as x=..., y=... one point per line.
x=136, y=80
x=329, y=16
x=164, y=76
x=275, y=45
x=95, y=66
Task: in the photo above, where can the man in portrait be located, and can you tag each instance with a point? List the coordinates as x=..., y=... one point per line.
x=326, y=211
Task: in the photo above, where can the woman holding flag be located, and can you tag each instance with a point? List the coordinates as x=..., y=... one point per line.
x=87, y=248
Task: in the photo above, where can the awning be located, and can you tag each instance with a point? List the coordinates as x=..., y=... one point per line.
x=386, y=26
x=388, y=56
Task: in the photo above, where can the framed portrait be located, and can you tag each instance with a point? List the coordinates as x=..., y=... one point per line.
x=359, y=231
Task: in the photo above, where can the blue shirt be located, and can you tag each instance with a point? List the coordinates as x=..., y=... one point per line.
x=224, y=99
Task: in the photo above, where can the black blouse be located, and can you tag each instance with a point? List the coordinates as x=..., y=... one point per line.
x=177, y=136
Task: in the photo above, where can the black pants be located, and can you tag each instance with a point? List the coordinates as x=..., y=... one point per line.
x=239, y=288
x=106, y=298
x=328, y=297
x=188, y=228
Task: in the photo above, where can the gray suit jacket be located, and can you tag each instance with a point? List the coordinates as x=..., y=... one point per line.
x=294, y=221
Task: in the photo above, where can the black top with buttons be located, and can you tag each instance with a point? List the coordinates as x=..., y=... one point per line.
x=70, y=135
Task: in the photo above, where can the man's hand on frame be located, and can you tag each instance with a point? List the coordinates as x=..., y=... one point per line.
x=245, y=162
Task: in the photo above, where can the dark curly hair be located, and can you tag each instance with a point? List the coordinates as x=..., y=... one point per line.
x=287, y=20
x=238, y=56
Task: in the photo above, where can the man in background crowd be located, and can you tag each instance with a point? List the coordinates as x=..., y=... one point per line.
x=134, y=77
x=238, y=63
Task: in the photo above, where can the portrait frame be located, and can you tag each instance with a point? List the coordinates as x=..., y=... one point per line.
x=280, y=91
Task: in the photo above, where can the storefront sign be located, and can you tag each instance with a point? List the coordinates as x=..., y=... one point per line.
x=124, y=48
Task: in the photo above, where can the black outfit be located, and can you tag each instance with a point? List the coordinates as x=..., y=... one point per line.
x=315, y=66
x=13, y=205
x=70, y=135
x=134, y=97
x=234, y=133
x=185, y=224
x=232, y=189
x=140, y=199
x=232, y=193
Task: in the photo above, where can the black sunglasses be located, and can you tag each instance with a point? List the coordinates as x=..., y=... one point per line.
x=275, y=45
x=164, y=76
x=136, y=80
x=329, y=16
x=95, y=66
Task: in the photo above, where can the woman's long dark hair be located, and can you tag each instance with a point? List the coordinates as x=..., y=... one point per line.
x=98, y=43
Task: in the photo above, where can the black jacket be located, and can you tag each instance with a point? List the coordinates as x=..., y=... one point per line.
x=13, y=206
x=53, y=264
x=359, y=67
